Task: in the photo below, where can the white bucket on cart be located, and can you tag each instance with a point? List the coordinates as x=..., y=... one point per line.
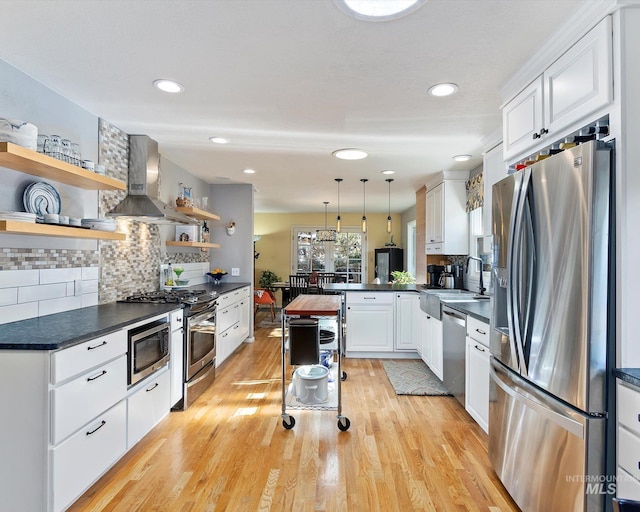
x=311, y=384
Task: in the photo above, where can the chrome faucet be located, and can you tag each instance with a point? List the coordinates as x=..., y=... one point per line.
x=481, y=287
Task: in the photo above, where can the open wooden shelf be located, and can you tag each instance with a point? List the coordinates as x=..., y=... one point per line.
x=14, y=227
x=31, y=162
x=193, y=244
x=197, y=213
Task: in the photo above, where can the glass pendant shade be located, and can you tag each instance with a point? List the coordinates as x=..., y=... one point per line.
x=389, y=180
x=364, y=205
x=338, y=218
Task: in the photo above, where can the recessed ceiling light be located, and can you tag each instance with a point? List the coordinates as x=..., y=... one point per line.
x=388, y=172
x=168, y=86
x=378, y=10
x=462, y=158
x=249, y=171
x=445, y=89
x=218, y=140
x=350, y=154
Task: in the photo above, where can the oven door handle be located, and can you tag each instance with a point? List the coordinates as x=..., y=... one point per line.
x=145, y=334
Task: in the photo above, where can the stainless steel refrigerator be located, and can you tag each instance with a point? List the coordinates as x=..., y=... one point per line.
x=551, y=335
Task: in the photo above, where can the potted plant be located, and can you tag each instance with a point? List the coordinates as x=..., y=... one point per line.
x=267, y=278
x=402, y=277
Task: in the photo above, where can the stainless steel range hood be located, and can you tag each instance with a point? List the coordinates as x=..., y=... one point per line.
x=142, y=203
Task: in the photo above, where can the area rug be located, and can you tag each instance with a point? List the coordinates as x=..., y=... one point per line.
x=266, y=321
x=413, y=377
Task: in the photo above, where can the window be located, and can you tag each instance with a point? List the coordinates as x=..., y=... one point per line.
x=344, y=256
x=411, y=247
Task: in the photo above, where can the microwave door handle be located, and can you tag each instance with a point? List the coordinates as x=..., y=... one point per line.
x=149, y=332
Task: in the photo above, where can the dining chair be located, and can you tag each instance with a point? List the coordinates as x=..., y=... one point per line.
x=262, y=296
x=298, y=284
x=324, y=278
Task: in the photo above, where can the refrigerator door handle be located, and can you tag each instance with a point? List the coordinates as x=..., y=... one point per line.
x=574, y=427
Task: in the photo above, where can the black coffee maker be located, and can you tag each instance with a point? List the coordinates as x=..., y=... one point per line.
x=458, y=276
x=434, y=272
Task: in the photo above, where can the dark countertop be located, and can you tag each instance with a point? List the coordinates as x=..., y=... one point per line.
x=628, y=375
x=220, y=288
x=480, y=309
x=367, y=287
x=63, y=330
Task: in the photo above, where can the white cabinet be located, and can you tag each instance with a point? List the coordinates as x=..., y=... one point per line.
x=628, y=442
x=370, y=322
x=177, y=357
x=407, y=308
x=431, y=343
x=447, y=224
x=232, y=322
x=477, y=372
x=147, y=404
x=575, y=86
x=493, y=170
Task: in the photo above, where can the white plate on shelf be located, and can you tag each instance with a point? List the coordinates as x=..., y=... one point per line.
x=20, y=216
x=41, y=198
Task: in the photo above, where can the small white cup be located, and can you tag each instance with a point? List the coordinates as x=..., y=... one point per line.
x=100, y=169
x=64, y=219
x=88, y=165
x=51, y=218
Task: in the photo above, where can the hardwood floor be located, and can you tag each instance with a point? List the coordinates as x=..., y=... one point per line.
x=230, y=452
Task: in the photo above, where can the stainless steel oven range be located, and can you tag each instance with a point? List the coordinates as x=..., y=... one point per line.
x=199, y=337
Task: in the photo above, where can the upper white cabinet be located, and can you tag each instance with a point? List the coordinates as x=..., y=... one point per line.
x=447, y=225
x=576, y=85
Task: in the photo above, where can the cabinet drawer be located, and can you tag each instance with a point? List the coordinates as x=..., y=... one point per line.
x=147, y=406
x=74, y=360
x=628, y=409
x=228, y=316
x=629, y=452
x=433, y=248
x=627, y=487
x=85, y=456
x=478, y=330
x=79, y=401
x=369, y=298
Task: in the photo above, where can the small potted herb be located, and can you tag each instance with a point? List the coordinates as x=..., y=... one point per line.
x=267, y=278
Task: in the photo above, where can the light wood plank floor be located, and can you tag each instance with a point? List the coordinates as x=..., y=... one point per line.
x=230, y=452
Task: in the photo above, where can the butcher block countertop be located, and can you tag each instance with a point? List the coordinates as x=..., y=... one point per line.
x=309, y=305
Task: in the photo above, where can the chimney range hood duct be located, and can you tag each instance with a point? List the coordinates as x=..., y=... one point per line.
x=142, y=203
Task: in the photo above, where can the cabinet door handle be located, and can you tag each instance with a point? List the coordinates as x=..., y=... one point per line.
x=102, y=424
x=152, y=387
x=540, y=133
x=481, y=332
x=97, y=346
x=369, y=298
x=104, y=372
x=480, y=348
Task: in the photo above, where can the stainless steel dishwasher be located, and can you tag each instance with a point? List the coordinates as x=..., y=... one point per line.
x=454, y=332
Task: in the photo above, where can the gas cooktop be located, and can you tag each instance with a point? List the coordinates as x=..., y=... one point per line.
x=172, y=296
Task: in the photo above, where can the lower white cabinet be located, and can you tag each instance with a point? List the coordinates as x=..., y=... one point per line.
x=370, y=322
x=177, y=357
x=431, y=343
x=232, y=322
x=407, y=308
x=83, y=458
x=477, y=365
x=147, y=404
x=628, y=442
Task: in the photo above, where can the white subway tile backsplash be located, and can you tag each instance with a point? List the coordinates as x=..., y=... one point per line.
x=13, y=278
x=8, y=296
x=84, y=287
x=18, y=312
x=71, y=288
x=48, y=307
x=89, y=299
x=90, y=273
x=60, y=275
x=41, y=292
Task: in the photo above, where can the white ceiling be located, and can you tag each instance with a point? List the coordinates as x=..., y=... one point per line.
x=288, y=82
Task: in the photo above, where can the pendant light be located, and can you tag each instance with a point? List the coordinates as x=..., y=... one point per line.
x=325, y=235
x=364, y=205
x=389, y=180
x=338, y=218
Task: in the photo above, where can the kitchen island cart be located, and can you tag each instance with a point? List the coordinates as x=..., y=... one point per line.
x=306, y=321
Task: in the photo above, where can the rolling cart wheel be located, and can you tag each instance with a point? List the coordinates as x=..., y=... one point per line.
x=344, y=376
x=343, y=423
x=289, y=422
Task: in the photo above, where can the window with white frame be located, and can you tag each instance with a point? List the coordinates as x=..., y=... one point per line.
x=342, y=257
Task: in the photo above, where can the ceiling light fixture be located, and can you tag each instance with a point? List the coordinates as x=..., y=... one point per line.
x=338, y=218
x=389, y=180
x=388, y=172
x=444, y=89
x=364, y=205
x=462, y=158
x=249, y=171
x=378, y=10
x=326, y=234
x=168, y=85
x=350, y=154
x=218, y=140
